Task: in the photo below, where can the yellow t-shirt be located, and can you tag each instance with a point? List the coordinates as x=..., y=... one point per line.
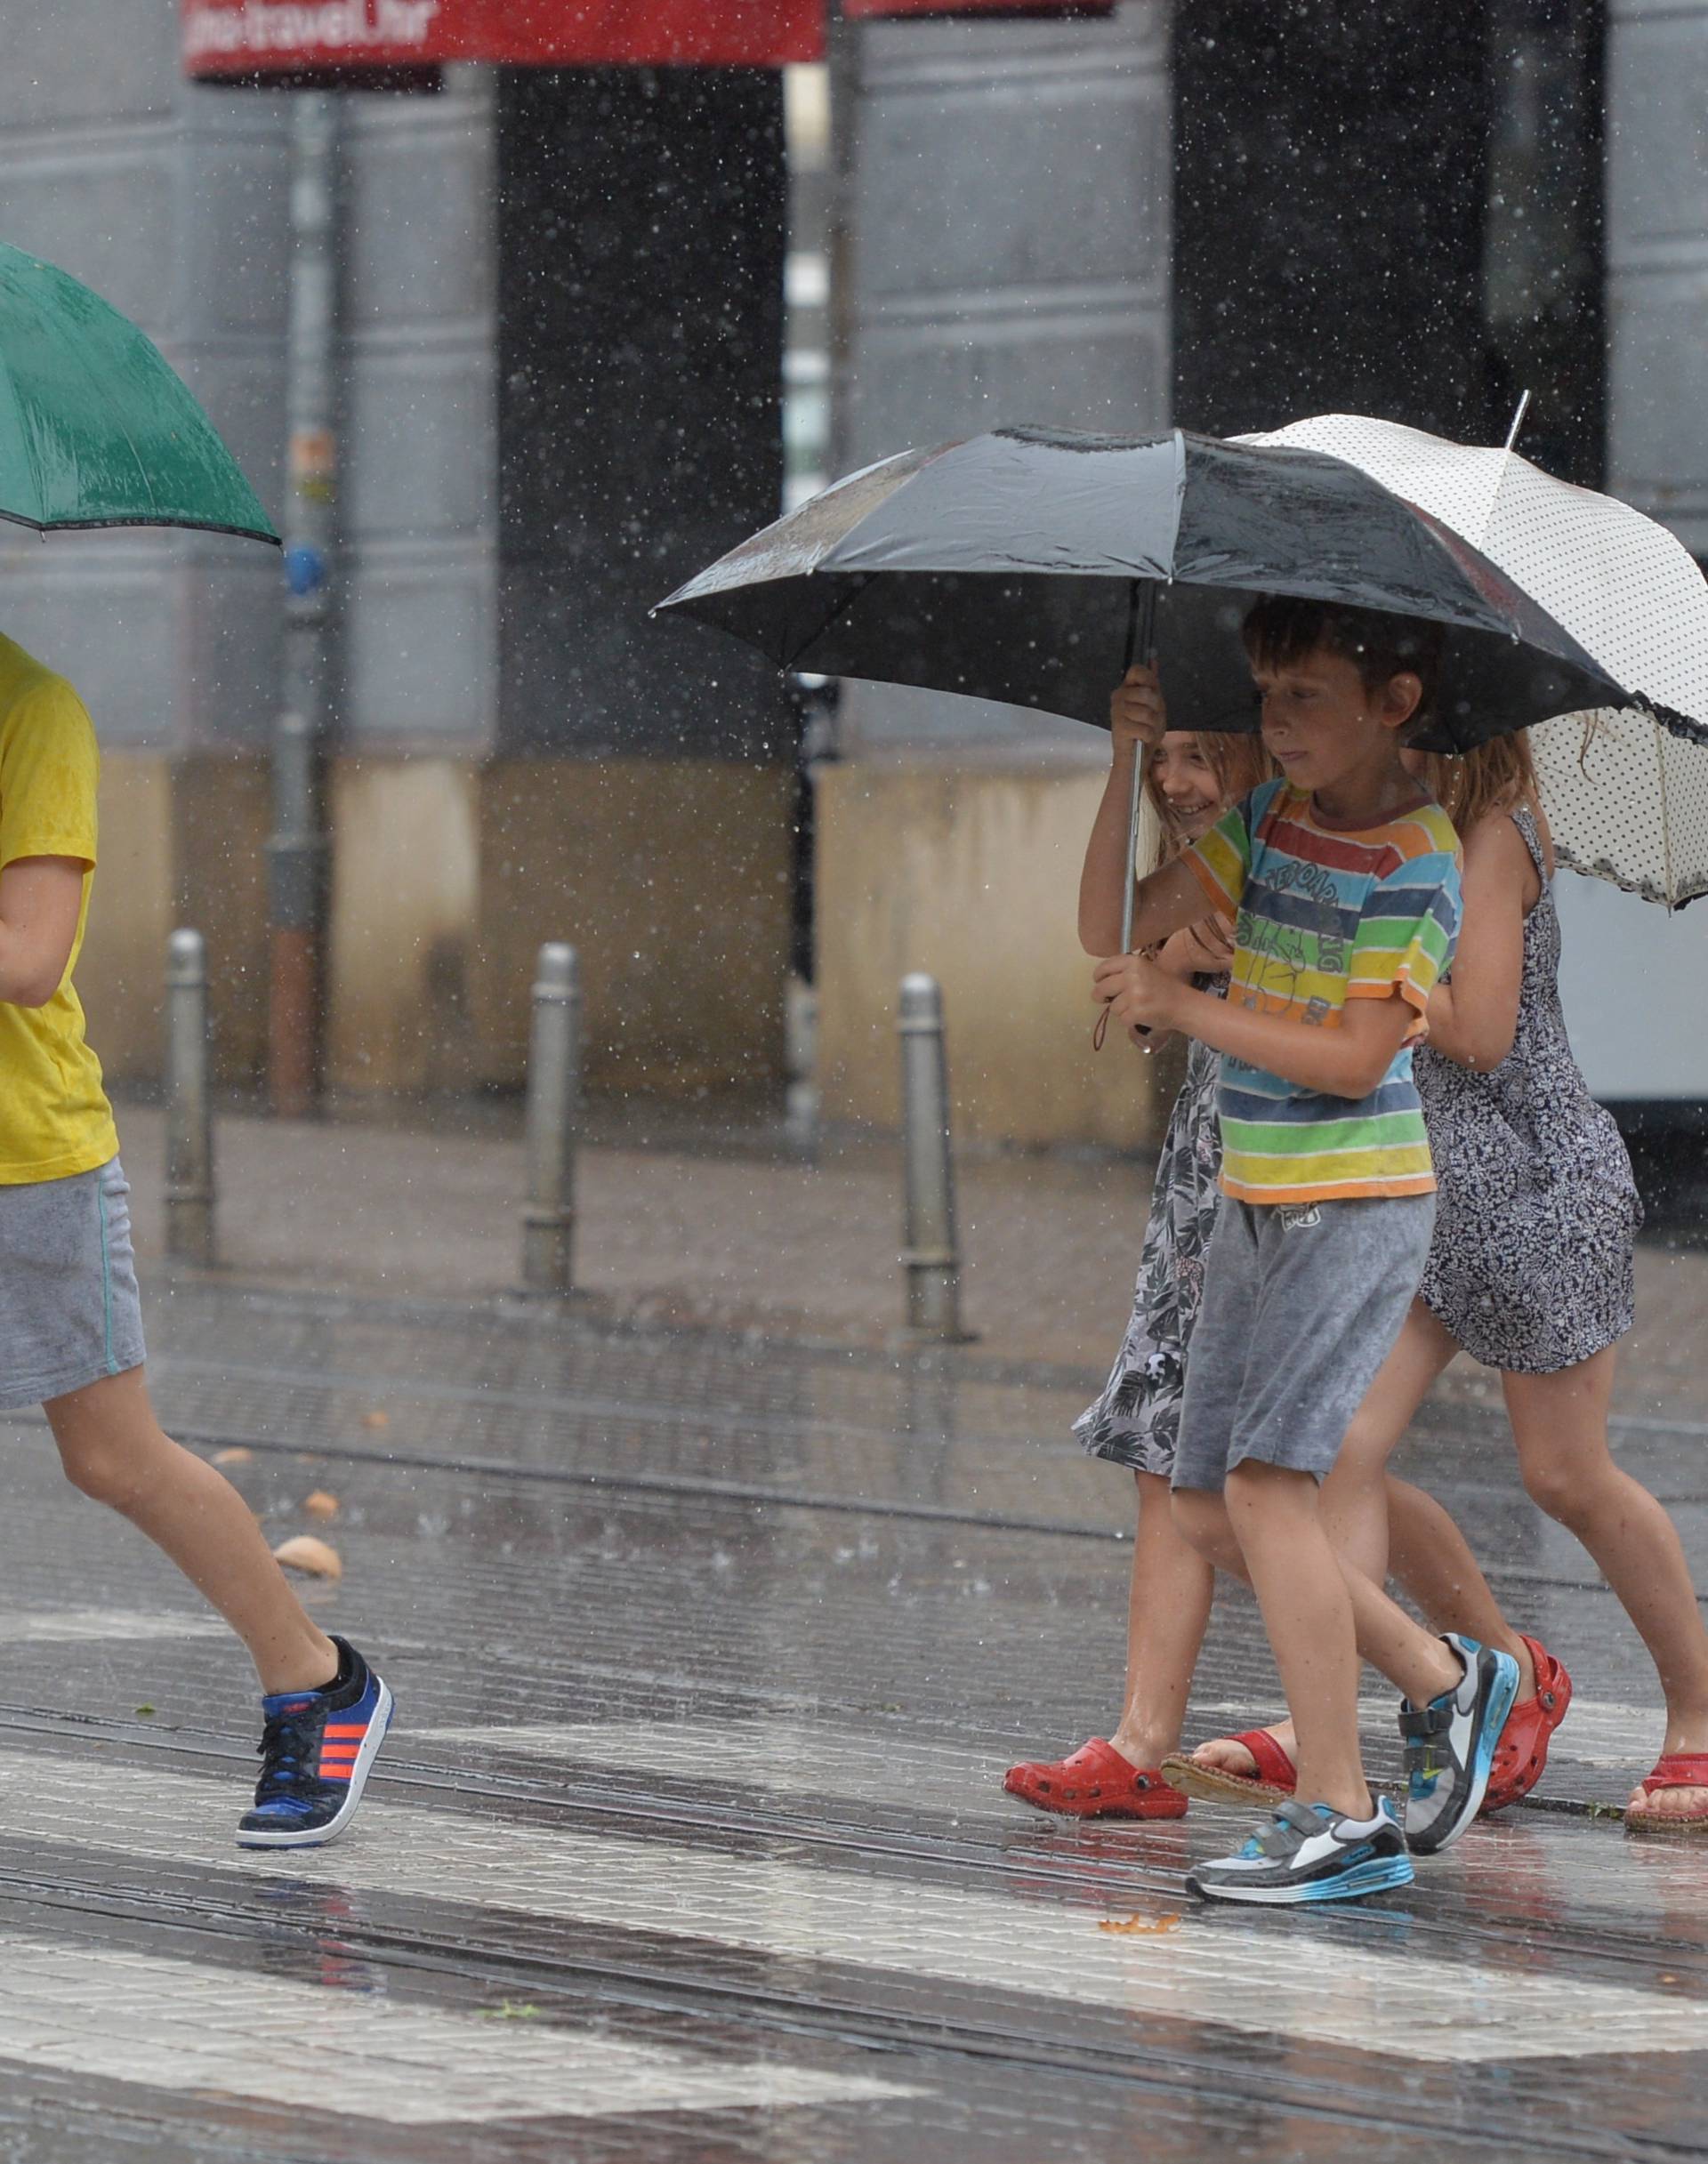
x=54, y=1117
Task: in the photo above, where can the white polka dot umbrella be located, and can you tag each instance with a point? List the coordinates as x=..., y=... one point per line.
x=1626, y=788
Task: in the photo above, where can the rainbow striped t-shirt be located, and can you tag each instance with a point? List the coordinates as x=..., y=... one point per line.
x=1322, y=917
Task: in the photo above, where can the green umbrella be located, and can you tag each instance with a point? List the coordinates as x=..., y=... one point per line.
x=95, y=428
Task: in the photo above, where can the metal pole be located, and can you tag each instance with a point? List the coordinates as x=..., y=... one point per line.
x=297, y=851
x=1141, y=625
x=190, y=1127
x=553, y=1102
x=929, y=1261
x=801, y=1047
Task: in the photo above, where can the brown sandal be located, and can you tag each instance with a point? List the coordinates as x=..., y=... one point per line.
x=1681, y=1770
x=1273, y=1782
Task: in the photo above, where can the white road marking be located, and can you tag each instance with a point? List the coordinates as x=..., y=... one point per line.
x=1612, y=1737
x=781, y=1758
x=87, y=1626
x=1346, y=1989
x=786, y=1757
x=130, y=2017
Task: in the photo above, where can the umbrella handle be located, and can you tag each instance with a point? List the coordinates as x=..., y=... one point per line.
x=1134, y=801
x=1142, y=624
x=1141, y=628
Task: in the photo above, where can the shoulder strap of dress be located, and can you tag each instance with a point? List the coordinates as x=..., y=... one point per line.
x=1524, y=820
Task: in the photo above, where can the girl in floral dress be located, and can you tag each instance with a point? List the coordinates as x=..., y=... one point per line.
x=1192, y=780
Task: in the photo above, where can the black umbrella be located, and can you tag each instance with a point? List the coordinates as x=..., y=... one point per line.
x=1029, y=566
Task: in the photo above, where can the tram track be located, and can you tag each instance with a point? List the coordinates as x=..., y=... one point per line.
x=453, y=1960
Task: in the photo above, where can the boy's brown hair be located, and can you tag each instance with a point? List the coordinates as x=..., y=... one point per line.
x=1281, y=630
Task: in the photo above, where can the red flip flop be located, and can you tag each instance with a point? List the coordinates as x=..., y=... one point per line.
x=1522, y=1751
x=1095, y=1783
x=1681, y=1770
x=1274, y=1782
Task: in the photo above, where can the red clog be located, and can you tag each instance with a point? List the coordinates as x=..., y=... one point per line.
x=1096, y=1782
x=1681, y=1770
x=1522, y=1751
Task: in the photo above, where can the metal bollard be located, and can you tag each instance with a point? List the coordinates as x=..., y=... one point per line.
x=801, y=1054
x=553, y=1102
x=189, y=1125
x=929, y=1261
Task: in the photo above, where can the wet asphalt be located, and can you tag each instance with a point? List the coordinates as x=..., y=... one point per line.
x=689, y=1844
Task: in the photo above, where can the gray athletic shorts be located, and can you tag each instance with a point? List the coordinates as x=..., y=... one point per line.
x=69, y=1312
x=1302, y=1305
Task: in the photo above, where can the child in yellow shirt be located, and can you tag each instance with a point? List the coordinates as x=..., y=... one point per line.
x=70, y=1317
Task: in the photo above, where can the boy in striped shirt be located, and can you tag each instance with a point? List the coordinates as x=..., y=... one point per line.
x=1342, y=881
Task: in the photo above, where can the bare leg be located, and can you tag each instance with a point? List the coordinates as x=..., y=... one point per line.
x=1168, y=1609
x=1432, y=1561
x=1320, y=1619
x=112, y=1448
x=1559, y=1423
x=1354, y=1505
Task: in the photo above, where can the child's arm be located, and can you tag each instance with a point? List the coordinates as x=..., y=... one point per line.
x=1203, y=949
x=1135, y=717
x=40, y=898
x=1474, y=1020
x=1346, y=1062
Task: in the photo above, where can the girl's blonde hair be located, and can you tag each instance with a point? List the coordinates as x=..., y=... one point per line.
x=1496, y=776
x=1239, y=762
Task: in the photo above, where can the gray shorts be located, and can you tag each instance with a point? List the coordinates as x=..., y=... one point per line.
x=1302, y=1305
x=69, y=1312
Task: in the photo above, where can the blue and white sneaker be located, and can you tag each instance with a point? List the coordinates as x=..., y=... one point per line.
x=317, y=1751
x=1310, y=1853
x=1450, y=1745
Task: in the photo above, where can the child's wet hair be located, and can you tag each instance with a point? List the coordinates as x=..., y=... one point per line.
x=1282, y=629
x=1497, y=776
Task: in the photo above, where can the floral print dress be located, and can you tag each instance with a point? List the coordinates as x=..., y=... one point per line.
x=1136, y=1421
x=1536, y=1210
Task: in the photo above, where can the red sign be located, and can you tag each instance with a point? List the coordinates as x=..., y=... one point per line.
x=1054, y=8
x=228, y=38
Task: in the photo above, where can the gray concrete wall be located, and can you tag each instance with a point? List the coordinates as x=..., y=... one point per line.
x=1005, y=243
x=420, y=482
x=1657, y=458
x=171, y=202
x=1657, y=262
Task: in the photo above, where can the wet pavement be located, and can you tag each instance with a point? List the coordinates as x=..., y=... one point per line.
x=710, y=1651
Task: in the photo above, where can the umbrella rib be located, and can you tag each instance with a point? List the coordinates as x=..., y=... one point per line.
x=1666, y=828
x=788, y=661
x=20, y=432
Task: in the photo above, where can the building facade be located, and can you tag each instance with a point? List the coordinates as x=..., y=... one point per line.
x=563, y=376
x=561, y=367
x=1225, y=221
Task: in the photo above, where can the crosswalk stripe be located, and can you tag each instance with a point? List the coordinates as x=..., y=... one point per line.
x=783, y=1757
x=171, y=2024
x=1215, y=1969
x=91, y=1626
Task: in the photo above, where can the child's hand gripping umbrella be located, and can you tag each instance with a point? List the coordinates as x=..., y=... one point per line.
x=95, y=428
x=1032, y=567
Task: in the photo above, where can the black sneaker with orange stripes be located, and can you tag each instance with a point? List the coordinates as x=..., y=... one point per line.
x=317, y=1750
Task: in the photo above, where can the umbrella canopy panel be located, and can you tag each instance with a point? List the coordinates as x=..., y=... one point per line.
x=1626, y=588
x=1002, y=569
x=1627, y=801
x=95, y=428
x=1626, y=790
